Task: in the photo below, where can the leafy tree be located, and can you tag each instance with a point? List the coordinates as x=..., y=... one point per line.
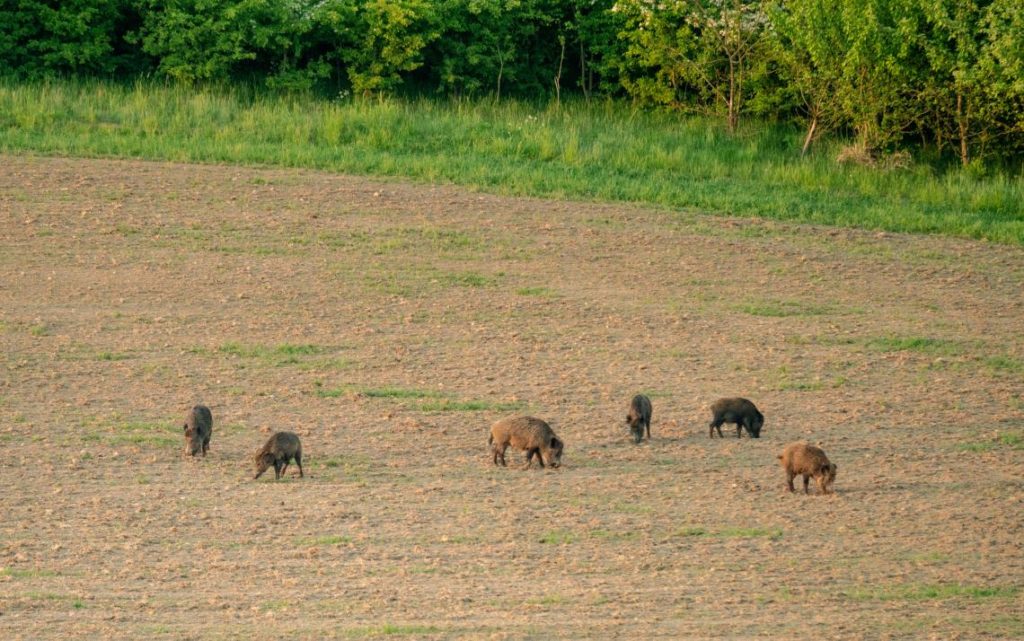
x=378, y=40
x=48, y=37
x=687, y=47
x=199, y=39
x=489, y=45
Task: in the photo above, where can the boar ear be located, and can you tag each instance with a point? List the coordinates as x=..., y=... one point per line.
x=555, y=442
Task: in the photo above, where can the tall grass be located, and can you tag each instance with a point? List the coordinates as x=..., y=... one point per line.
x=603, y=151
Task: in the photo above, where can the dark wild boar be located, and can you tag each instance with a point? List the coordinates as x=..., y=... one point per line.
x=279, y=449
x=529, y=434
x=739, y=411
x=639, y=417
x=810, y=461
x=198, y=429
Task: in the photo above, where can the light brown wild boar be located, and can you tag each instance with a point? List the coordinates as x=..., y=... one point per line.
x=198, y=430
x=810, y=461
x=739, y=411
x=277, y=451
x=639, y=417
x=529, y=434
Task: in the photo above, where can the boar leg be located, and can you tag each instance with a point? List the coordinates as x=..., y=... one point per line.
x=806, y=481
x=789, y=481
x=298, y=461
x=529, y=457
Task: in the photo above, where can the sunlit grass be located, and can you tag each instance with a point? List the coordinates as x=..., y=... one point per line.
x=599, y=151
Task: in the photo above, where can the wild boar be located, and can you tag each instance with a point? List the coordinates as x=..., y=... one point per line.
x=529, y=434
x=739, y=411
x=809, y=461
x=639, y=417
x=279, y=449
x=198, y=430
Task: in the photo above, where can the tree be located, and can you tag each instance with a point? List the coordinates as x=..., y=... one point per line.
x=48, y=37
x=379, y=40
x=692, y=45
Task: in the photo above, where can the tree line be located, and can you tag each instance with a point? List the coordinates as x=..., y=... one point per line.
x=946, y=76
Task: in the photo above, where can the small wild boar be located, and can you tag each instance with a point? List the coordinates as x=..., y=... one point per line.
x=198, y=429
x=739, y=411
x=529, y=434
x=639, y=417
x=280, y=448
x=807, y=460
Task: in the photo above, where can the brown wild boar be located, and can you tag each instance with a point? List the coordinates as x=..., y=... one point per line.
x=807, y=460
x=639, y=417
x=198, y=429
x=739, y=411
x=277, y=451
x=529, y=434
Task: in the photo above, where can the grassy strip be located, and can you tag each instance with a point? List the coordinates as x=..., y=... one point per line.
x=915, y=592
x=602, y=151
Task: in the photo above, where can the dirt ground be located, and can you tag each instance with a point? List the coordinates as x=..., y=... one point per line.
x=389, y=324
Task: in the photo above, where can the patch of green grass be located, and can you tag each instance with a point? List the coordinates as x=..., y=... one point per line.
x=750, y=533
x=550, y=599
x=557, y=537
x=541, y=292
x=144, y=426
x=111, y=356
x=784, y=308
x=23, y=573
x=153, y=440
x=274, y=605
x=328, y=539
x=392, y=629
x=922, y=592
x=39, y=330
x=398, y=392
x=1005, y=364
x=448, y=405
x=730, y=532
x=285, y=351
x=469, y=279
x=599, y=150
x=914, y=344
x=1012, y=440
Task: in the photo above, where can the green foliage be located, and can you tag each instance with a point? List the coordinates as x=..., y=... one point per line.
x=378, y=40
x=943, y=75
x=916, y=592
x=686, y=48
x=197, y=40
x=597, y=151
x=49, y=37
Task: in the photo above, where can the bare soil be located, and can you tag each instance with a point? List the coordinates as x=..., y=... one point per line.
x=389, y=324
